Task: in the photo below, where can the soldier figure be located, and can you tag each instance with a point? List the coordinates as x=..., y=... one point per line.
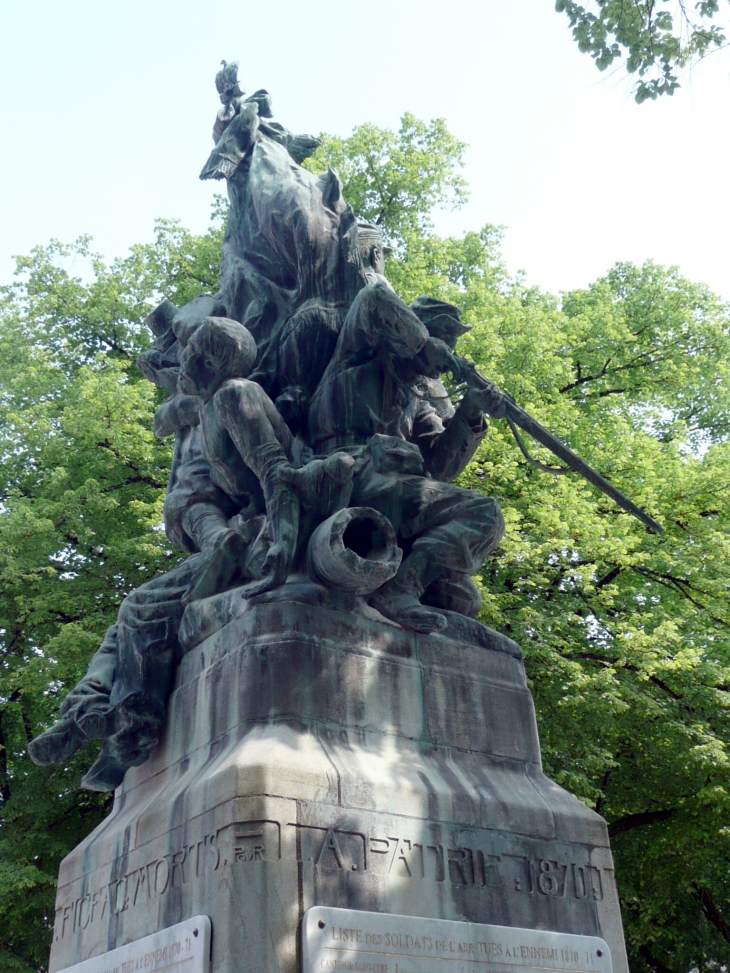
x=306, y=385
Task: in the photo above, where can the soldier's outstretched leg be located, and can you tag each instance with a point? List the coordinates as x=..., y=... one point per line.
x=86, y=713
x=146, y=656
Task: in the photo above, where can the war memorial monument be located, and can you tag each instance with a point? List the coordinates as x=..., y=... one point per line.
x=321, y=760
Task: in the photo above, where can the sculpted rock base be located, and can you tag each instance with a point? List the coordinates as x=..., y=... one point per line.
x=317, y=755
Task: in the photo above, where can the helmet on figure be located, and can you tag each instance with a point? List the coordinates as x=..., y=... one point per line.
x=226, y=81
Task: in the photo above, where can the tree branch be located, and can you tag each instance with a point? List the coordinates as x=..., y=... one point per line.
x=711, y=912
x=643, y=361
x=4, y=785
x=16, y=697
x=653, y=962
x=641, y=820
x=611, y=576
x=681, y=585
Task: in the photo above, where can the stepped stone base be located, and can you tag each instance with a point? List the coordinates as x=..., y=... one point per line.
x=318, y=755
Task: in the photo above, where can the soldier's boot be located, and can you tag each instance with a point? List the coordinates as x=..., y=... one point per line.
x=400, y=598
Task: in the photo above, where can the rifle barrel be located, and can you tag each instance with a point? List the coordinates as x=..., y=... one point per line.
x=465, y=371
x=541, y=435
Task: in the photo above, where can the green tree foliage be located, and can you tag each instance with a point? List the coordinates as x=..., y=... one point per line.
x=656, y=39
x=625, y=634
x=81, y=486
x=395, y=179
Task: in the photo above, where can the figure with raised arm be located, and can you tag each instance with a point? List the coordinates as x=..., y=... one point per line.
x=250, y=448
x=369, y=404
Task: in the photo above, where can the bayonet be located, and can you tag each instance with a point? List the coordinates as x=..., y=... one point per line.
x=466, y=372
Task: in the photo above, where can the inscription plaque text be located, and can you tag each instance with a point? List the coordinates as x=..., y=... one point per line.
x=183, y=948
x=374, y=942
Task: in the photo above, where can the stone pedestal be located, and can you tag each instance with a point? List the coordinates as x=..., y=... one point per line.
x=318, y=755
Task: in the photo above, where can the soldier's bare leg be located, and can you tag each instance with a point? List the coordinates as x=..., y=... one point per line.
x=264, y=444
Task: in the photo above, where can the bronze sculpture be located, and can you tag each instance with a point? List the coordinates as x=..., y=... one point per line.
x=303, y=389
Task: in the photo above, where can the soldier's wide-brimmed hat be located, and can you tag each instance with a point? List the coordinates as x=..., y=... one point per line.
x=442, y=320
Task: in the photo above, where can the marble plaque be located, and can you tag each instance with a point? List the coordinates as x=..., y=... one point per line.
x=374, y=942
x=184, y=948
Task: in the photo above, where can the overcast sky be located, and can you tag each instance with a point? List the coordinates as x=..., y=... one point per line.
x=107, y=107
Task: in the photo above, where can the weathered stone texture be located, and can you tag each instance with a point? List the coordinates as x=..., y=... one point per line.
x=317, y=748
x=316, y=756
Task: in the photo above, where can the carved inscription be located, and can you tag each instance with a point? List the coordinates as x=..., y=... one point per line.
x=465, y=859
x=332, y=849
x=138, y=886
x=350, y=851
x=258, y=841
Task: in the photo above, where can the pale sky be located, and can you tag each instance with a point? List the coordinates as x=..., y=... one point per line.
x=107, y=106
